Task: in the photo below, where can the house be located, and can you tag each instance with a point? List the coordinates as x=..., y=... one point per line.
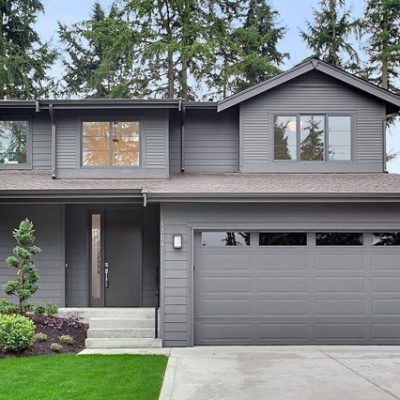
x=267, y=217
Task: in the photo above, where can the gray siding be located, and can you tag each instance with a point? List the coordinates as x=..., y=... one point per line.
x=184, y=219
x=311, y=93
x=211, y=141
x=49, y=225
x=41, y=142
x=154, y=145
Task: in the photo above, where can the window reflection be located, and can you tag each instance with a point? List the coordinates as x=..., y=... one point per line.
x=339, y=137
x=312, y=133
x=339, y=239
x=285, y=138
x=222, y=239
x=13, y=139
x=386, y=239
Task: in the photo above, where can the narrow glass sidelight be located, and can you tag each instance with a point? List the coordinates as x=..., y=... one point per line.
x=96, y=257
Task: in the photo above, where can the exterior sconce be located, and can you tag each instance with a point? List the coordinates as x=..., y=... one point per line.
x=177, y=241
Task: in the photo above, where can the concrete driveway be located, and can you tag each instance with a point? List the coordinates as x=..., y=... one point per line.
x=283, y=373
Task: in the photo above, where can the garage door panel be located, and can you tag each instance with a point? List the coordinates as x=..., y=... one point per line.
x=220, y=332
x=279, y=261
x=272, y=284
x=339, y=307
x=222, y=262
x=281, y=307
x=283, y=331
x=220, y=284
x=224, y=307
x=338, y=261
x=386, y=306
x=385, y=261
x=342, y=331
x=342, y=284
x=386, y=331
x=386, y=284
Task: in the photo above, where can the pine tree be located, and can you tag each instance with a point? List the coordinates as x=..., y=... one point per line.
x=328, y=35
x=281, y=144
x=382, y=24
x=25, y=284
x=312, y=146
x=24, y=59
x=258, y=39
x=100, y=55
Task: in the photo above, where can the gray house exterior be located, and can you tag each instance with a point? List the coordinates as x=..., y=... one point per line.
x=265, y=218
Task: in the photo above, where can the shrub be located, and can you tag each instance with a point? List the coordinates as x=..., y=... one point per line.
x=8, y=308
x=25, y=283
x=39, y=309
x=51, y=309
x=40, y=337
x=66, y=339
x=56, y=347
x=16, y=333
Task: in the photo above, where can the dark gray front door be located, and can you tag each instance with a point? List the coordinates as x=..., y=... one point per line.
x=116, y=258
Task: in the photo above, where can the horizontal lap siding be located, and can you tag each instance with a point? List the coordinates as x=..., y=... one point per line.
x=311, y=93
x=211, y=141
x=48, y=222
x=154, y=144
x=176, y=265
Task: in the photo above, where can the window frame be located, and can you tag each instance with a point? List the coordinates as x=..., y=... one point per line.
x=110, y=121
x=29, y=157
x=326, y=115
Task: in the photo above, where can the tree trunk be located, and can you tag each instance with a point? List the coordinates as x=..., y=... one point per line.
x=2, y=54
x=185, y=43
x=385, y=62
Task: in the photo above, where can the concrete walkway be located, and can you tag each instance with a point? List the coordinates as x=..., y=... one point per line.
x=283, y=373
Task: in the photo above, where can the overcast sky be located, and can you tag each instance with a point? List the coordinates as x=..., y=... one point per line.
x=293, y=14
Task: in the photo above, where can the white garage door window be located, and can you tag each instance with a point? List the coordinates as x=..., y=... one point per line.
x=297, y=287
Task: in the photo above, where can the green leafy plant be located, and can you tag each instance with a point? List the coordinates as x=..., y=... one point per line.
x=25, y=284
x=57, y=348
x=16, y=333
x=8, y=308
x=51, y=309
x=66, y=339
x=40, y=337
x=39, y=309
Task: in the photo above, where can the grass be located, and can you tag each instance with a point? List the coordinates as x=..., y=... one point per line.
x=92, y=377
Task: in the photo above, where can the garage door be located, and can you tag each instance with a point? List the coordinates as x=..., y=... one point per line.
x=296, y=287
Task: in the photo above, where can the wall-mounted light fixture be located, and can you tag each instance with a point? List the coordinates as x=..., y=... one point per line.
x=177, y=241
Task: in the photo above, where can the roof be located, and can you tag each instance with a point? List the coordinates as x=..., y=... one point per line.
x=301, y=69
x=230, y=186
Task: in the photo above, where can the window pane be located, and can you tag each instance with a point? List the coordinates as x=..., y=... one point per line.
x=126, y=144
x=13, y=137
x=339, y=239
x=312, y=133
x=221, y=239
x=386, y=239
x=285, y=138
x=96, y=257
x=95, y=143
x=339, y=138
x=283, y=239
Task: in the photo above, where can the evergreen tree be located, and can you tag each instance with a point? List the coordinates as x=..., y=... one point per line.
x=281, y=144
x=312, y=145
x=328, y=35
x=24, y=59
x=25, y=284
x=100, y=56
x=382, y=24
x=258, y=39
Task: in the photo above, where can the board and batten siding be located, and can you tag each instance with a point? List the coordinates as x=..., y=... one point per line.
x=41, y=141
x=311, y=93
x=177, y=264
x=211, y=141
x=49, y=226
x=154, y=142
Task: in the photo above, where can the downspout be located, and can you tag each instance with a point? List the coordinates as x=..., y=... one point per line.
x=182, y=108
x=384, y=122
x=53, y=141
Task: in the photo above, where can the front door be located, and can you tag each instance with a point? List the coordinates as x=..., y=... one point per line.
x=115, y=258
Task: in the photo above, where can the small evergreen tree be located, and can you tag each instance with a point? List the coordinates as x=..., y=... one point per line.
x=25, y=284
x=312, y=146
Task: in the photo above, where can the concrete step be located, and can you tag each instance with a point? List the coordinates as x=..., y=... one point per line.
x=106, y=312
x=121, y=323
x=120, y=333
x=122, y=343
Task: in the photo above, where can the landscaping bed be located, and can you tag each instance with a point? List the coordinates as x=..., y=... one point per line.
x=69, y=377
x=53, y=328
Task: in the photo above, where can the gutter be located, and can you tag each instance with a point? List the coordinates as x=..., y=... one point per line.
x=53, y=141
x=183, y=118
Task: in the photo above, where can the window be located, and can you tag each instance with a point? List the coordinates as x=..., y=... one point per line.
x=312, y=137
x=386, y=239
x=339, y=239
x=339, y=139
x=282, y=239
x=111, y=144
x=13, y=142
x=285, y=136
x=222, y=239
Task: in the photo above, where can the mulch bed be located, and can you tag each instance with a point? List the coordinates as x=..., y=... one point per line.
x=55, y=327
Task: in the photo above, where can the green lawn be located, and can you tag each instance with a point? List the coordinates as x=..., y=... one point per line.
x=69, y=377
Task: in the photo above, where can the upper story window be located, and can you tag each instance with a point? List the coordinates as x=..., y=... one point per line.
x=312, y=137
x=13, y=143
x=111, y=143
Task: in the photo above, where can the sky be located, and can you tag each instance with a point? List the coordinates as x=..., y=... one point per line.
x=293, y=15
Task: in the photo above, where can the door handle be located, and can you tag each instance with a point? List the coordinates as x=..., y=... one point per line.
x=106, y=279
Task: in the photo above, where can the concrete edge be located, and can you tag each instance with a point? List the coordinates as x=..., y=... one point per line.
x=148, y=351
x=167, y=388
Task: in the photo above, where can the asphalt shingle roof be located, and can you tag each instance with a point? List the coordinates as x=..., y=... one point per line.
x=31, y=182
